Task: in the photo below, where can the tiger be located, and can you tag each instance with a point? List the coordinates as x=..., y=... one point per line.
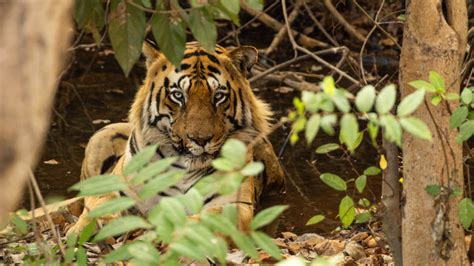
x=189, y=111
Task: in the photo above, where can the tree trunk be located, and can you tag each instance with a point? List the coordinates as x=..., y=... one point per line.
x=431, y=232
x=33, y=39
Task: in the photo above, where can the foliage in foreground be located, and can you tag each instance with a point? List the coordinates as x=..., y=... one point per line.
x=179, y=223
x=320, y=110
x=126, y=22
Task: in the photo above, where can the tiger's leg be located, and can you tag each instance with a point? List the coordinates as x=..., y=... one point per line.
x=103, y=154
x=273, y=178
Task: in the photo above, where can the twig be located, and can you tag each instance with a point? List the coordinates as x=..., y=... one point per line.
x=296, y=59
x=48, y=217
x=230, y=34
x=276, y=25
x=349, y=28
x=362, y=71
x=377, y=24
x=319, y=25
x=283, y=31
x=314, y=56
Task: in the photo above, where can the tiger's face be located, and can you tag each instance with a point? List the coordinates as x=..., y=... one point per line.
x=191, y=110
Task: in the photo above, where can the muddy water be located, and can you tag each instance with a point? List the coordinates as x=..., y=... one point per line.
x=95, y=93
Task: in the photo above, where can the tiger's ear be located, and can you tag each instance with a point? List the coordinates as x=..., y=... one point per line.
x=150, y=52
x=244, y=57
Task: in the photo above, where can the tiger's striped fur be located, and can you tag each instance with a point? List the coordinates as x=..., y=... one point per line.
x=189, y=112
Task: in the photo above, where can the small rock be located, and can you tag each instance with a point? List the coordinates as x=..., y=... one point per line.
x=370, y=242
x=360, y=236
x=329, y=247
x=280, y=242
x=294, y=247
x=236, y=257
x=289, y=235
x=355, y=250
x=306, y=237
x=345, y=232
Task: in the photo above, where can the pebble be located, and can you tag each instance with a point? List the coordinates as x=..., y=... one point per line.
x=360, y=236
x=329, y=247
x=370, y=242
x=355, y=250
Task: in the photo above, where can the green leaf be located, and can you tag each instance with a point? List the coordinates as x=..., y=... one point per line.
x=334, y=181
x=372, y=170
x=87, y=232
x=363, y=217
x=219, y=223
x=115, y=205
x=328, y=85
x=252, y=169
x=349, y=131
x=466, y=130
x=416, y=127
x=121, y=225
x=19, y=224
x=326, y=148
x=365, y=99
x=244, y=243
x=266, y=243
x=170, y=34
x=299, y=124
x=161, y=183
x=153, y=169
x=466, y=96
x=410, y=103
x=229, y=9
x=146, y=3
x=187, y=248
x=267, y=216
x=451, y=96
x=393, y=131
x=71, y=241
x=298, y=105
x=364, y=203
x=126, y=31
x=328, y=122
x=223, y=164
x=437, y=81
x=436, y=99
x=360, y=183
x=139, y=160
x=373, y=129
x=192, y=200
x=311, y=101
x=422, y=85
x=315, y=219
x=466, y=212
x=203, y=28
x=341, y=101
x=119, y=254
x=98, y=185
x=433, y=190
x=386, y=99
x=255, y=4
x=312, y=128
x=346, y=211
x=89, y=16
x=81, y=256
x=173, y=210
x=236, y=151
x=458, y=117
x=144, y=251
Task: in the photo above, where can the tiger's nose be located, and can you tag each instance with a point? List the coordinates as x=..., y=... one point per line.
x=201, y=139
